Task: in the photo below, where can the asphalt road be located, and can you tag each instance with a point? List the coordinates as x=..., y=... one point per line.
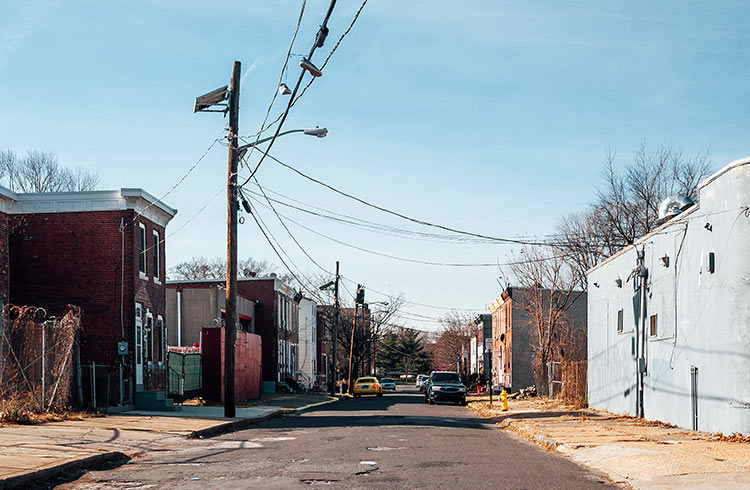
x=394, y=441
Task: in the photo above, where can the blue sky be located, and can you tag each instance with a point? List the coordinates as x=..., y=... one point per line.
x=488, y=116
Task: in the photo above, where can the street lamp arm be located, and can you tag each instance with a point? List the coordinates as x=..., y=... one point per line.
x=255, y=143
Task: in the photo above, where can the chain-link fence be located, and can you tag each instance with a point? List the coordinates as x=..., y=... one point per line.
x=36, y=358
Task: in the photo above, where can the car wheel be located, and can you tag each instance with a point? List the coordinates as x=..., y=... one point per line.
x=380, y=394
x=430, y=401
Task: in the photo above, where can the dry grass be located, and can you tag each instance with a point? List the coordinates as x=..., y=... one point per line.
x=736, y=437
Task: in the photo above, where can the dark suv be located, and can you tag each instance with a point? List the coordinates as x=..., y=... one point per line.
x=445, y=386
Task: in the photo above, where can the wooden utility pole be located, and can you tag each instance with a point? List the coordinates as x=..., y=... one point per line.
x=358, y=299
x=351, y=351
x=336, y=315
x=231, y=318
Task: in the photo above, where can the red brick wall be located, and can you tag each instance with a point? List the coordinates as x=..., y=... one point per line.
x=4, y=256
x=75, y=258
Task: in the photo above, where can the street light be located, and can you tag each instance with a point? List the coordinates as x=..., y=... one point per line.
x=316, y=131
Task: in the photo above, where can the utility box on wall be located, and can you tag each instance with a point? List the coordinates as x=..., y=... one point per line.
x=247, y=365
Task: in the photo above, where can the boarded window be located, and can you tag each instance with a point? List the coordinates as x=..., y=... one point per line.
x=619, y=321
x=653, y=325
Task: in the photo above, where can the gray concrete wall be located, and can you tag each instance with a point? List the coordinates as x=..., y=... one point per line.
x=199, y=308
x=703, y=318
x=522, y=355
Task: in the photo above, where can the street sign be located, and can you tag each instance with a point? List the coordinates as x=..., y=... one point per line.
x=487, y=344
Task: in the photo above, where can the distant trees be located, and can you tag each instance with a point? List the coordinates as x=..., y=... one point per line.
x=39, y=171
x=200, y=268
x=402, y=351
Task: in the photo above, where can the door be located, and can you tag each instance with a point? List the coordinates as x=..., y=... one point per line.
x=138, y=344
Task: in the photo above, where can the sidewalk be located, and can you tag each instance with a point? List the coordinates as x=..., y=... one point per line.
x=31, y=453
x=631, y=452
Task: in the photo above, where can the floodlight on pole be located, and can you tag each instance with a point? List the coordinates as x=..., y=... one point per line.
x=213, y=98
x=327, y=285
x=284, y=89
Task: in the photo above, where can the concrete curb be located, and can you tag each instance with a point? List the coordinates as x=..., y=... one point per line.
x=244, y=423
x=311, y=405
x=88, y=463
x=98, y=460
x=231, y=426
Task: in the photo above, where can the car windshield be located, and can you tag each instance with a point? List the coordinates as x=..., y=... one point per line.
x=386, y=380
x=446, y=378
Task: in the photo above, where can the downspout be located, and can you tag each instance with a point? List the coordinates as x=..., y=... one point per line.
x=179, y=317
x=642, y=272
x=122, y=277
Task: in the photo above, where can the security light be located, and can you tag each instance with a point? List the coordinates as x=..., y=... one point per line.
x=326, y=285
x=284, y=89
x=212, y=98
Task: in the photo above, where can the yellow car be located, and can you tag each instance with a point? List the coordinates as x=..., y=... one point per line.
x=367, y=386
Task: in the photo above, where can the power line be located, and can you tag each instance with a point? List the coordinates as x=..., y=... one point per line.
x=320, y=38
x=381, y=254
x=182, y=179
x=408, y=218
x=294, y=100
x=281, y=76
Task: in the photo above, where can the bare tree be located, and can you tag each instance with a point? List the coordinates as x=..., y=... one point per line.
x=453, y=340
x=40, y=171
x=546, y=291
x=627, y=201
x=202, y=268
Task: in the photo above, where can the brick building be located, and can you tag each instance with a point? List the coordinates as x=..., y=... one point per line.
x=102, y=251
x=276, y=321
x=6, y=201
x=512, y=352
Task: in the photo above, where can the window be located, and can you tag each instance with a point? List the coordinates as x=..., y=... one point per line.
x=653, y=325
x=157, y=267
x=142, y=249
x=619, y=321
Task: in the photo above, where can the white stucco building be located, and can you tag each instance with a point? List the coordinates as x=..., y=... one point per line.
x=308, y=335
x=696, y=354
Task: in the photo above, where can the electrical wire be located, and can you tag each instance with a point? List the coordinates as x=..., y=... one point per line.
x=182, y=179
x=281, y=76
x=322, y=32
x=506, y=240
x=381, y=254
x=335, y=47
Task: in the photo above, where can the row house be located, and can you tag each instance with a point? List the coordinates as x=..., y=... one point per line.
x=513, y=336
x=103, y=251
x=481, y=348
x=274, y=316
x=669, y=316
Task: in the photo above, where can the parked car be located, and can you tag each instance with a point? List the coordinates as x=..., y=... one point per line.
x=367, y=386
x=445, y=386
x=420, y=381
x=388, y=384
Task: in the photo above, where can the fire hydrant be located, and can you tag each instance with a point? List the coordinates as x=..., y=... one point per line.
x=504, y=400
